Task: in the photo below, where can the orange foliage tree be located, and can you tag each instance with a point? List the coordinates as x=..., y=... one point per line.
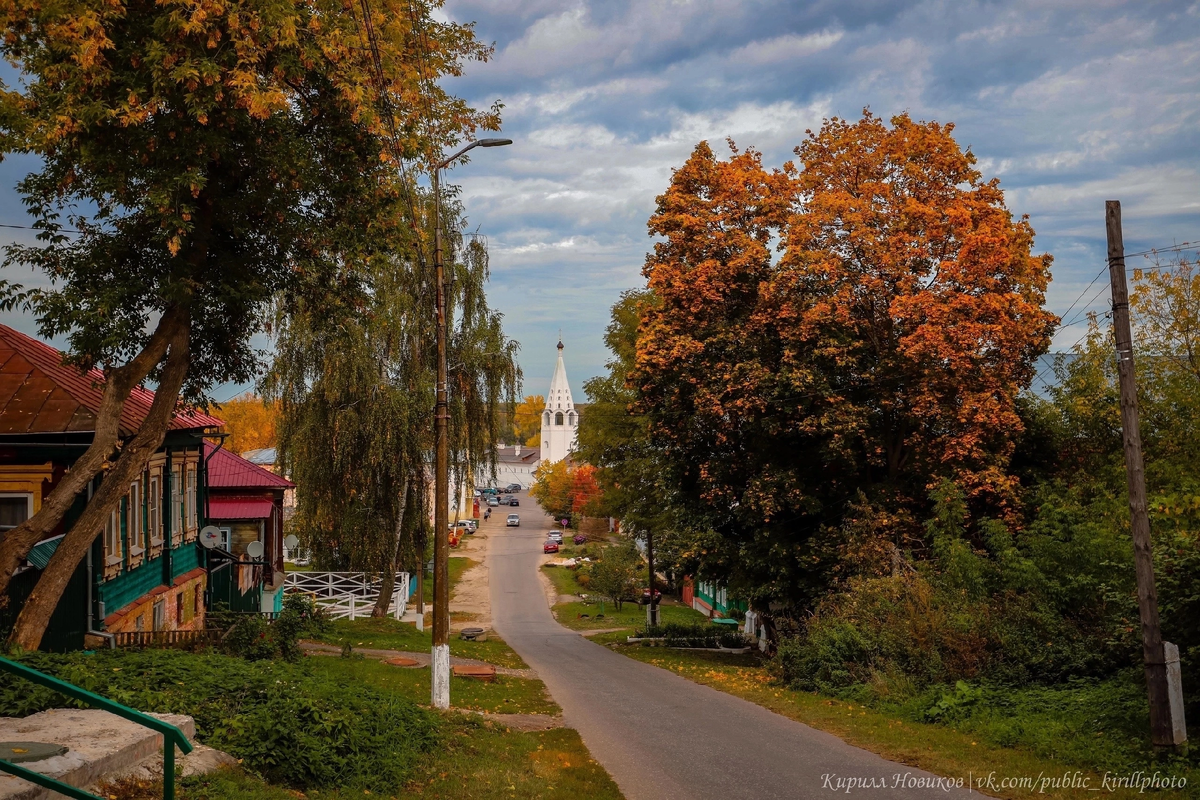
x=852, y=329
x=562, y=489
x=249, y=421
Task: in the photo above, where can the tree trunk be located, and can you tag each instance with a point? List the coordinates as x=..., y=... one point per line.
x=35, y=615
x=389, y=578
x=118, y=384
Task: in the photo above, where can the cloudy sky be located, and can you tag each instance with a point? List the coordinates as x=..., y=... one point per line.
x=1068, y=103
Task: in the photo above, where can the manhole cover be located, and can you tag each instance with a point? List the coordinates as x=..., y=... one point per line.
x=20, y=752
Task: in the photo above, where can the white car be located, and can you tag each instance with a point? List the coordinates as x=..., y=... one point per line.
x=555, y=535
x=513, y=521
x=468, y=525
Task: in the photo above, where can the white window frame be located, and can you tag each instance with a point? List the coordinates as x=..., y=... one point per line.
x=154, y=509
x=226, y=540
x=177, y=503
x=135, y=532
x=112, y=538
x=28, y=496
x=190, y=500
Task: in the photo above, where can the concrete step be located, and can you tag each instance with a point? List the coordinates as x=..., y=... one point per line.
x=101, y=745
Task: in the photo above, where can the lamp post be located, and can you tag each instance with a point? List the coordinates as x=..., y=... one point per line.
x=440, y=656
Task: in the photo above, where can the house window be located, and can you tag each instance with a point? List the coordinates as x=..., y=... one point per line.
x=226, y=540
x=112, y=537
x=191, y=497
x=133, y=519
x=179, y=608
x=176, y=505
x=14, y=509
x=154, y=509
x=160, y=615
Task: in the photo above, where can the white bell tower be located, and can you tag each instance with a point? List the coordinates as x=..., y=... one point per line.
x=560, y=420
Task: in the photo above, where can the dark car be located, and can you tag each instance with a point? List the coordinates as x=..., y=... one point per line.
x=513, y=487
x=580, y=538
x=512, y=501
x=550, y=546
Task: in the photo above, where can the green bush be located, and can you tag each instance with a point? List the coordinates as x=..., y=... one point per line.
x=255, y=638
x=286, y=723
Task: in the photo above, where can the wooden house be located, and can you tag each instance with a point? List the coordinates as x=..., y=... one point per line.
x=145, y=571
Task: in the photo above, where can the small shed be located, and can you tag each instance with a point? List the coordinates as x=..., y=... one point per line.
x=246, y=502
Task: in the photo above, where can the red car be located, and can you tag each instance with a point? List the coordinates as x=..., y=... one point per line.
x=550, y=546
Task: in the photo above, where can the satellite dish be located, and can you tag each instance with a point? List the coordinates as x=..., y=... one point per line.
x=254, y=549
x=290, y=541
x=210, y=536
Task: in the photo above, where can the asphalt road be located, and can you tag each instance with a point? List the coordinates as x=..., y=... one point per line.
x=661, y=736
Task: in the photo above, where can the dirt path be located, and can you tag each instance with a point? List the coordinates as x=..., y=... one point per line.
x=471, y=601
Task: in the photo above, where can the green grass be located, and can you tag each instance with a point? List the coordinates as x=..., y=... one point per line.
x=507, y=695
x=456, y=565
x=477, y=759
x=1016, y=732
x=586, y=615
x=391, y=634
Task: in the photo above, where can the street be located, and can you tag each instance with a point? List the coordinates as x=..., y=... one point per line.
x=661, y=736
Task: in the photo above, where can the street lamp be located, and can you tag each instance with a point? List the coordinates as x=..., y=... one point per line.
x=440, y=656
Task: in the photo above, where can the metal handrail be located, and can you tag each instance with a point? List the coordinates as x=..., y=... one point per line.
x=172, y=736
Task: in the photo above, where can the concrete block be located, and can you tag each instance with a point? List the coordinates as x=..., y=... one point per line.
x=100, y=745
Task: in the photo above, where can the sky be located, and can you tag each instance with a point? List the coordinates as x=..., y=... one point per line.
x=1069, y=104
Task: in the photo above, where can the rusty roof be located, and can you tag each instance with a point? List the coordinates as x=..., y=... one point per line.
x=41, y=394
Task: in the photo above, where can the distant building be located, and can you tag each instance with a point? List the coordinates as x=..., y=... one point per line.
x=516, y=464
x=560, y=419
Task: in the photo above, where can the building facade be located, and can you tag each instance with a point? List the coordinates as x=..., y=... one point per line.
x=560, y=419
x=145, y=570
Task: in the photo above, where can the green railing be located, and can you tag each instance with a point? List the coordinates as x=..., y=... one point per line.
x=172, y=736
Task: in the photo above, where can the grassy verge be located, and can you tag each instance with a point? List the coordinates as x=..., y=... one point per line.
x=478, y=759
x=390, y=634
x=456, y=565
x=507, y=695
x=1027, y=732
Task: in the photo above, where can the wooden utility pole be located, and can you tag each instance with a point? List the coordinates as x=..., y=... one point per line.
x=652, y=618
x=1152, y=644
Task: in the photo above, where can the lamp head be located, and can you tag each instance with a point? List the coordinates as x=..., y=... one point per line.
x=493, y=142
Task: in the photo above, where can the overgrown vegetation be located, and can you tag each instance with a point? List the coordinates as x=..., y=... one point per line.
x=288, y=723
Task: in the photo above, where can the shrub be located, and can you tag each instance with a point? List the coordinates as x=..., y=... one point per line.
x=285, y=723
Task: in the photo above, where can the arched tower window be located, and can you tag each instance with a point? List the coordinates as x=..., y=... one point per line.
x=558, y=418
x=547, y=418
x=571, y=418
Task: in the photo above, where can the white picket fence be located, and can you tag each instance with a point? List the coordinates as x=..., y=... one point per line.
x=348, y=595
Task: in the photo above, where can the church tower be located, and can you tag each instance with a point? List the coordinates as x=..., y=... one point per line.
x=560, y=420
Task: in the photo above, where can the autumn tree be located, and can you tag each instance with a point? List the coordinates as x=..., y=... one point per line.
x=878, y=349
x=195, y=161
x=249, y=421
x=527, y=420
x=551, y=488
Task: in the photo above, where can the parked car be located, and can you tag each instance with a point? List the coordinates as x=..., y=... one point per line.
x=493, y=501
x=550, y=546
x=514, y=501
x=467, y=525
x=514, y=487
x=513, y=521
x=580, y=539
x=555, y=535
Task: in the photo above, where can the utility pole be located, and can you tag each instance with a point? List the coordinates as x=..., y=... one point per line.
x=439, y=666
x=440, y=662
x=652, y=616
x=1163, y=731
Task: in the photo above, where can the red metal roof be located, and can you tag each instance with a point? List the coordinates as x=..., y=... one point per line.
x=41, y=394
x=228, y=470
x=239, y=508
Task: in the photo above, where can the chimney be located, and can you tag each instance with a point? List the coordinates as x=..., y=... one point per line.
x=517, y=450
